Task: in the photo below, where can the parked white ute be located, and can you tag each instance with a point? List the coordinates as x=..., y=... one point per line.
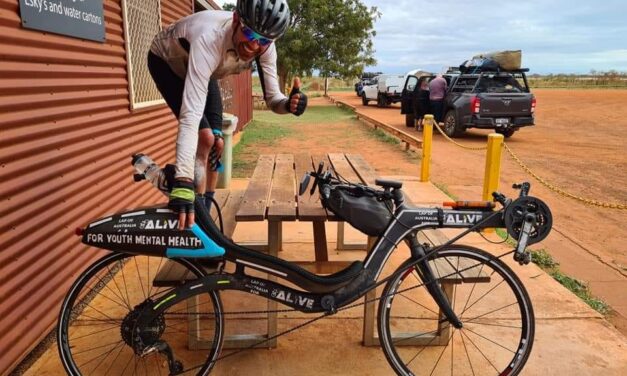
x=385, y=89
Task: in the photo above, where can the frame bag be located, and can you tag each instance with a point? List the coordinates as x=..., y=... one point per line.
x=362, y=210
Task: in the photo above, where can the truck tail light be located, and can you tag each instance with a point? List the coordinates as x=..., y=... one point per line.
x=475, y=105
x=533, y=105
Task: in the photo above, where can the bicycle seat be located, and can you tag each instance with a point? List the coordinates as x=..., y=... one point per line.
x=260, y=261
x=388, y=183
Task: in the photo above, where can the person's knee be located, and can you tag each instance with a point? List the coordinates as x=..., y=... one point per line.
x=219, y=145
x=206, y=140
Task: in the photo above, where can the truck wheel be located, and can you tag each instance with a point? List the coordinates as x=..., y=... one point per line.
x=507, y=133
x=410, y=120
x=364, y=100
x=451, y=125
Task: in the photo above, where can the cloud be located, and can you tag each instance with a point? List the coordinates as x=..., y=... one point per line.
x=558, y=36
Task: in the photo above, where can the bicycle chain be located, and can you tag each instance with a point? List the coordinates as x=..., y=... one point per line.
x=330, y=313
x=384, y=280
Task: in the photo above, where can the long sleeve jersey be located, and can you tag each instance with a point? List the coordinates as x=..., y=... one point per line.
x=198, y=48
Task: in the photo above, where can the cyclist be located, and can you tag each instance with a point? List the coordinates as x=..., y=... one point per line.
x=186, y=60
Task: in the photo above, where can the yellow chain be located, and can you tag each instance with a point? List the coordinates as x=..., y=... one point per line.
x=561, y=191
x=437, y=126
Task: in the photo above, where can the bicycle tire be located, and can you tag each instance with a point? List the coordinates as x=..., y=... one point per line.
x=506, y=330
x=96, y=317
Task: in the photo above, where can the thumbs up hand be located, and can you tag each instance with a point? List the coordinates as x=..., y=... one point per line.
x=297, y=100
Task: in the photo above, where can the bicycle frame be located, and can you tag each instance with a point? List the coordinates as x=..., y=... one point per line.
x=406, y=223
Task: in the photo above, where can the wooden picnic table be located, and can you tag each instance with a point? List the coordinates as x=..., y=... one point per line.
x=272, y=196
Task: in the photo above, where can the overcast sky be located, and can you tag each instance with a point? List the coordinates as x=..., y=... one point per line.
x=555, y=36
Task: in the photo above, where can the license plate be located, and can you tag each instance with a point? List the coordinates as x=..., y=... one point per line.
x=502, y=121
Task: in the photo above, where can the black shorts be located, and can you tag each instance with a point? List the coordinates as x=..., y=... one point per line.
x=171, y=87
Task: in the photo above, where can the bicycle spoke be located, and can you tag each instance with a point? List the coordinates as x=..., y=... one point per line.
x=127, y=363
x=467, y=355
x=148, y=284
x=481, y=352
x=488, y=339
x=107, y=355
x=413, y=301
x=423, y=348
x=102, y=313
x=471, y=291
x=124, y=281
x=158, y=268
x=439, y=358
x=483, y=296
x=113, y=327
x=492, y=324
x=496, y=310
x=93, y=319
x=99, y=347
x=139, y=277
x=112, y=278
x=113, y=362
x=452, y=346
x=93, y=290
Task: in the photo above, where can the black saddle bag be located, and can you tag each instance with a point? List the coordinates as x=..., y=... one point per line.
x=359, y=208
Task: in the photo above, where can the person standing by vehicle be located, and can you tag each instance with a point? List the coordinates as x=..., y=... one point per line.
x=423, y=102
x=437, y=92
x=186, y=60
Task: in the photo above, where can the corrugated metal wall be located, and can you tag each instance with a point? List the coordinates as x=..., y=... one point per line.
x=66, y=137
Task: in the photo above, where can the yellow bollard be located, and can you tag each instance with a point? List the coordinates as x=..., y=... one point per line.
x=427, y=137
x=492, y=165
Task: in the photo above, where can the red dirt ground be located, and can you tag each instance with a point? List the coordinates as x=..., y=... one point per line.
x=579, y=145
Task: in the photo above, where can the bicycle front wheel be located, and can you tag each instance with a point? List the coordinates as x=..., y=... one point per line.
x=98, y=333
x=485, y=294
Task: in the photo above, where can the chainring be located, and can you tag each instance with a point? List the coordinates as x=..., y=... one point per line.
x=519, y=208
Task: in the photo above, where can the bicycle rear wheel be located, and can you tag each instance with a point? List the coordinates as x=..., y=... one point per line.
x=97, y=331
x=491, y=302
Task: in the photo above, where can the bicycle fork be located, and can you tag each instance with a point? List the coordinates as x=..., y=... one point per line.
x=435, y=289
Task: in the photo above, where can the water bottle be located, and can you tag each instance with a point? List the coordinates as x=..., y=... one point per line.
x=147, y=169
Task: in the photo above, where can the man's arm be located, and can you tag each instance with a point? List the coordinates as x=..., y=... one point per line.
x=268, y=77
x=204, y=57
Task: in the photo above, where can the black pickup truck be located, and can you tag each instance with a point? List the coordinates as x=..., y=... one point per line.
x=498, y=100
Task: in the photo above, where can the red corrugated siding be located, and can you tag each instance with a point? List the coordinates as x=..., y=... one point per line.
x=66, y=136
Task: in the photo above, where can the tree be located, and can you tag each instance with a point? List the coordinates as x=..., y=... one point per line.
x=228, y=6
x=333, y=37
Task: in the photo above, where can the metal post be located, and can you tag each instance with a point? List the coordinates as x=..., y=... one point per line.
x=427, y=137
x=492, y=165
x=229, y=125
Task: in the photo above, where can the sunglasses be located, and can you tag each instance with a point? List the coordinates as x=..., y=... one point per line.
x=252, y=36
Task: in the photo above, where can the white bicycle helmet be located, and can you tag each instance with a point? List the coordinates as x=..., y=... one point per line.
x=269, y=18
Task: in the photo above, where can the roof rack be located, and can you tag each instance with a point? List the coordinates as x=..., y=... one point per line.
x=479, y=70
